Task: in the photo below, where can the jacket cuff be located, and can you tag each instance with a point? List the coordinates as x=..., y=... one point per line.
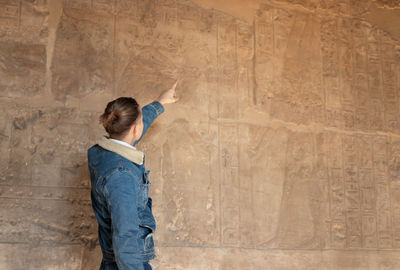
x=158, y=107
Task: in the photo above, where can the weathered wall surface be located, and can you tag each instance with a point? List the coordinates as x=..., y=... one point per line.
x=283, y=152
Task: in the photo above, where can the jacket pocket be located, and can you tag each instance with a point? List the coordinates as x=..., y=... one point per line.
x=147, y=237
x=149, y=244
x=145, y=188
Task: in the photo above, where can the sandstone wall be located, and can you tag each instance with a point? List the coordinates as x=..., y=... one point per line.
x=282, y=153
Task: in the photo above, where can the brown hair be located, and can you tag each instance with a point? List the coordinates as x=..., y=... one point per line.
x=119, y=115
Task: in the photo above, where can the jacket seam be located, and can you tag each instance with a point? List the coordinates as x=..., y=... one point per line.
x=93, y=170
x=122, y=169
x=157, y=106
x=110, y=172
x=120, y=163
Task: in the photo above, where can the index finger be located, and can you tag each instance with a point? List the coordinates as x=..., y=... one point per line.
x=175, y=83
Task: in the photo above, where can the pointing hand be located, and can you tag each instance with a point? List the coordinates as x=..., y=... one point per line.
x=169, y=96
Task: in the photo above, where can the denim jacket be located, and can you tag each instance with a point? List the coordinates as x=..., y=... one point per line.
x=120, y=199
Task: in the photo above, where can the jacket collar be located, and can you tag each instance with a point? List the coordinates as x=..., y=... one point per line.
x=133, y=155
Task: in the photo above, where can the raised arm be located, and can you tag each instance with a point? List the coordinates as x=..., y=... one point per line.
x=150, y=113
x=122, y=189
x=154, y=109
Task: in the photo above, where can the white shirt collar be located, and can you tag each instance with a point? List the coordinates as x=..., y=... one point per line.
x=123, y=143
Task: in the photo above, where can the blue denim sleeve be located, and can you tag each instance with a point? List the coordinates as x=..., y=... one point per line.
x=122, y=189
x=150, y=113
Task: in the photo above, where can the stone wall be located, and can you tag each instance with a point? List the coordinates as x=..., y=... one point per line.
x=282, y=153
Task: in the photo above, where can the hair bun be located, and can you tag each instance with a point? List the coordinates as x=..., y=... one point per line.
x=108, y=118
x=111, y=119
